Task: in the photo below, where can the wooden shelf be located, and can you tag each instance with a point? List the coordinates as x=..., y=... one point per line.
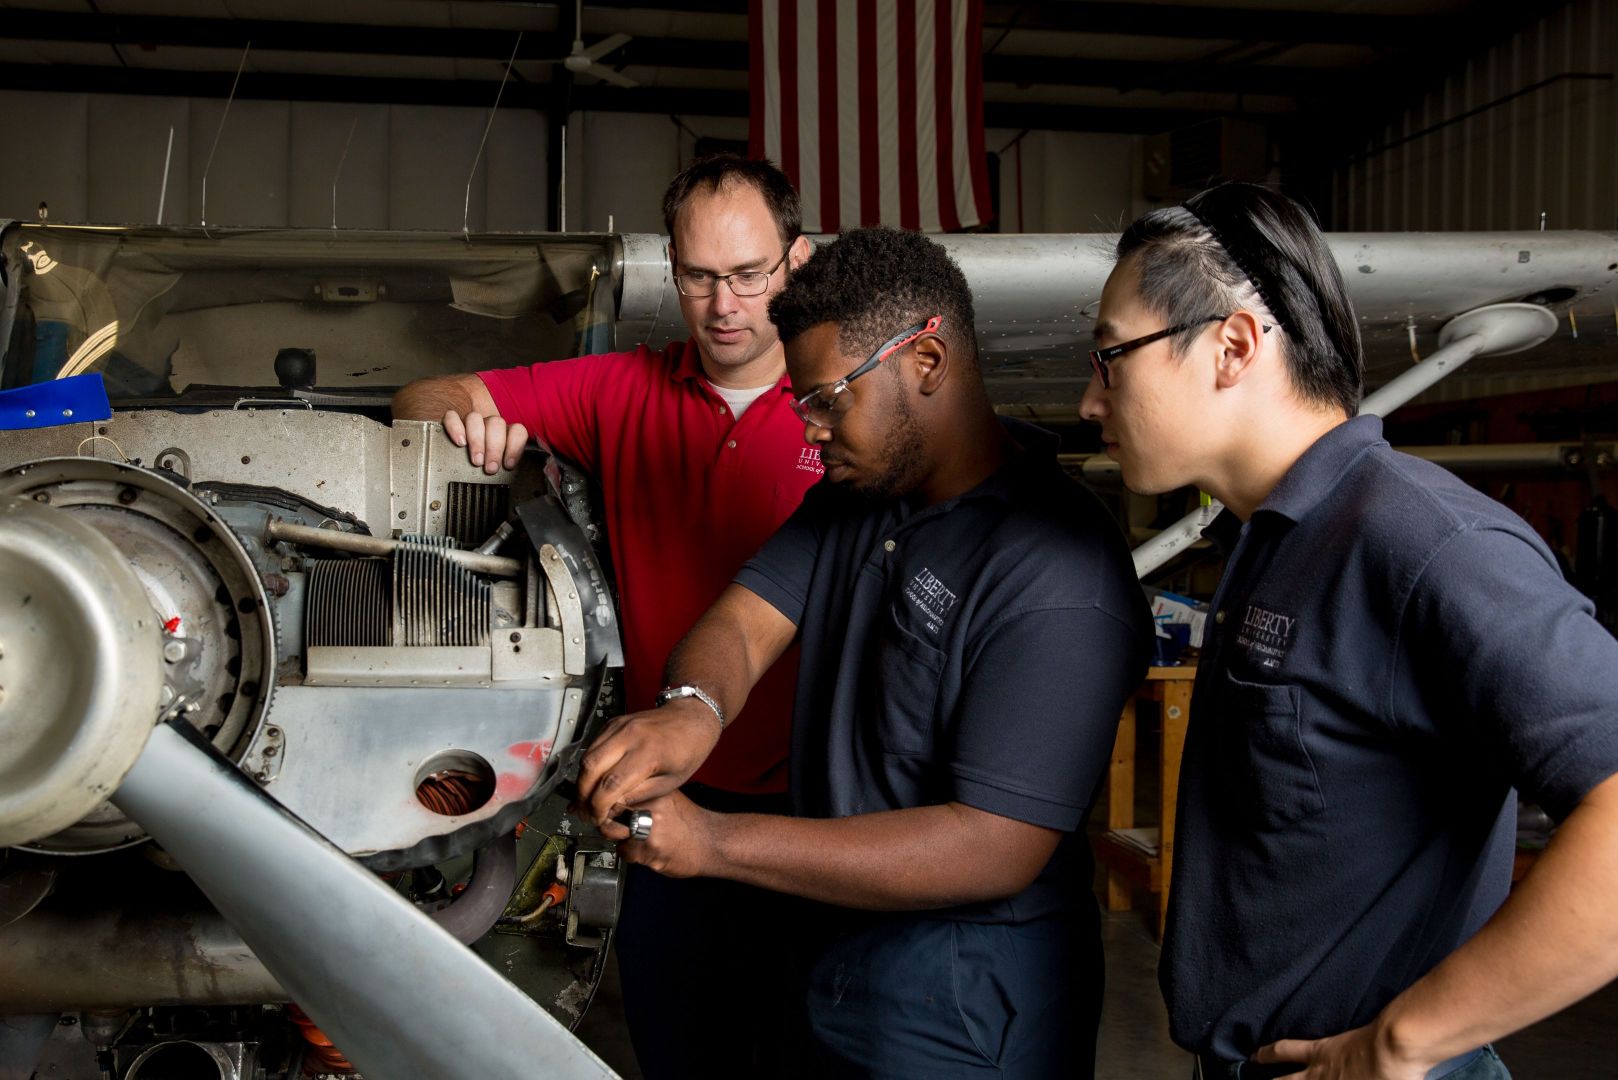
x=1144, y=857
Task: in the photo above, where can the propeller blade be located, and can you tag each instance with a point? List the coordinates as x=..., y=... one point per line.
x=606, y=74
x=605, y=46
x=400, y=997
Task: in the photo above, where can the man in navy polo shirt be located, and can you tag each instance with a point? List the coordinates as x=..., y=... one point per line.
x=1390, y=654
x=970, y=629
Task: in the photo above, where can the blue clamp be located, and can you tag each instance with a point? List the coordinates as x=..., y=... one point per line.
x=52, y=404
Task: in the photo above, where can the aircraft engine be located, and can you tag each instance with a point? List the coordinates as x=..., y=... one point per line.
x=355, y=634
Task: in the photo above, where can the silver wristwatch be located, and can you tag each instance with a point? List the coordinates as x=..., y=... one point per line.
x=672, y=693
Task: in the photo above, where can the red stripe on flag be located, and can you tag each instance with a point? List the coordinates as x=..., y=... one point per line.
x=755, y=78
x=976, y=159
x=830, y=174
x=870, y=151
x=865, y=90
x=909, y=193
x=949, y=218
x=788, y=53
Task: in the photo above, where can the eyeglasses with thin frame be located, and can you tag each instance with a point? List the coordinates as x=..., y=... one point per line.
x=825, y=405
x=701, y=283
x=1101, y=358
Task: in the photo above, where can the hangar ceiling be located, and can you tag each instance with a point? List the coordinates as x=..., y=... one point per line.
x=1141, y=68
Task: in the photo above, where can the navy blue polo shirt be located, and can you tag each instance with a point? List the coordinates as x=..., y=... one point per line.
x=976, y=651
x=1391, y=653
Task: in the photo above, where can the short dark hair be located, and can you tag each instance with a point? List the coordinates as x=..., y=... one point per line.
x=873, y=283
x=1244, y=246
x=711, y=173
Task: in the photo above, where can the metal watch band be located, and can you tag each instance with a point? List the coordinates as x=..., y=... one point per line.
x=670, y=693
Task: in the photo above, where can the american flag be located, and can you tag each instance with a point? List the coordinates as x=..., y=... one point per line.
x=873, y=108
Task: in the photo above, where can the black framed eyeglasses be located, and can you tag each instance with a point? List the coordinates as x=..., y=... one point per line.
x=701, y=283
x=825, y=405
x=1101, y=358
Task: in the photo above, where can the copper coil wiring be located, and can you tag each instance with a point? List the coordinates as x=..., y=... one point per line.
x=319, y=1056
x=453, y=792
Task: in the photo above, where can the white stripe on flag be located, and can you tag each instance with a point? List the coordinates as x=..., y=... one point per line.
x=809, y=178
x=926, y=163
x=887, y=110
x=848, y=112
x=965, y=200
x=772, y=78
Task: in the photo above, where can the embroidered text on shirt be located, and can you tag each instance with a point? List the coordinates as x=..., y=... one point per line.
x=1266, y=635
x=932, y=596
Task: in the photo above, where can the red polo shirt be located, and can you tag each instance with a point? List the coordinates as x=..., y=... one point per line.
x=691, y=494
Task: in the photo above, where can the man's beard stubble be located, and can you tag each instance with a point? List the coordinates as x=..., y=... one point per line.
x=903, y=450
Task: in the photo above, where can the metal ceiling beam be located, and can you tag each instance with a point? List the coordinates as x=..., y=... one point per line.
x=258, y=86
x=277, y=35
x=1120, y=121
x=272, y=35
x=700, y=7
x=1152, y=20
x=1226, y=24
x=523, y=95
x=1234, y=78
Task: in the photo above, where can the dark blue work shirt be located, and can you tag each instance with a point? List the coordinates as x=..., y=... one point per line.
x=1391, y=653
x=976, y=651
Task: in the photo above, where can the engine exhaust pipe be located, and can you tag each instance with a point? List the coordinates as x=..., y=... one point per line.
x=183, y=1060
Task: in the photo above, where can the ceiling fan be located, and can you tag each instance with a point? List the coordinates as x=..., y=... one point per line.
x=582, y=61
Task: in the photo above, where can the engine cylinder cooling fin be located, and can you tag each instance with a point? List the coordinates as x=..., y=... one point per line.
x=349, y=602
x=453, y=792
x=435, y=601
x=473, y=511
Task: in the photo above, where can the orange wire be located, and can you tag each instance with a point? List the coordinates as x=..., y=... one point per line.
x=320, y=1052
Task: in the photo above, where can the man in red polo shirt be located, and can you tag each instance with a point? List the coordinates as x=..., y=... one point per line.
x=700, y=459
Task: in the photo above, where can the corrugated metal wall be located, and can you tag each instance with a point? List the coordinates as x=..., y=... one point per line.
x=1530, y=126
x=100, y=158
